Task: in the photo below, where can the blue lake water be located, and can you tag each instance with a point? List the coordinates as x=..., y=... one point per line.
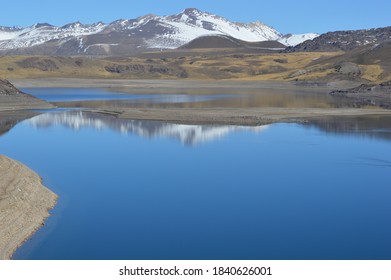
x=151, y=190
x=93, y=94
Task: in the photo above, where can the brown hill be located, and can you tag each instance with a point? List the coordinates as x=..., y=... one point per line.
x=227, y=42
x=371, y=63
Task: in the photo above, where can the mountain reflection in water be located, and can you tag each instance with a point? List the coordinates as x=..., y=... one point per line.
x=314, y=191
x=186, y=134
x=365, y=126
x=378, y=127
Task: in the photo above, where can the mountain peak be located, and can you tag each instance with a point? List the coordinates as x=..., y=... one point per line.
x=38, y=25
x=192, y=11
x=147, y=17
x=72, y=25
x=258, y=23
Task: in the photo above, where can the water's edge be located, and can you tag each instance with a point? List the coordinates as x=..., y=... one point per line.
x=25, y=202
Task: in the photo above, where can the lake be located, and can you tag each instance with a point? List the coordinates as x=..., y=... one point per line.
x=154, y=190
x=60, y=95
x=246, y=98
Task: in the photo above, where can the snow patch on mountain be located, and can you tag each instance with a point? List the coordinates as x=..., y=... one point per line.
x=9, y=33
x=41, y=33
x=192, y=23
x=295, y=39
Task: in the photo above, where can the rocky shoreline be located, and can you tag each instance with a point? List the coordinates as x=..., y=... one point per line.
x=24, y=201
x=24, y=205
x=367, y=95
x=12, y=99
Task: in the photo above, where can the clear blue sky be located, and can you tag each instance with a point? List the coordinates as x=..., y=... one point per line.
x=292, y=16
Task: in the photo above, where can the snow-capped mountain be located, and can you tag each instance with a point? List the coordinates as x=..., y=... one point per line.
x=192, y=23
x=134, y=35
x=12, y=38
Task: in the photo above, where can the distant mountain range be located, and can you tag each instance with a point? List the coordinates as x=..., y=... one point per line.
x=125, y=37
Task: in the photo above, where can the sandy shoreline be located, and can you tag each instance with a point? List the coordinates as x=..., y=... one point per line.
x=24, y=205
x=235, y=116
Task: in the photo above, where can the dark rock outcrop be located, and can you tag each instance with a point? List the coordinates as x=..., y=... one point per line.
x=38, y=63
x=348, y=68
x=139, y=69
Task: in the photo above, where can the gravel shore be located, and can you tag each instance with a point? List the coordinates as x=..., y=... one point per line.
x=24, y=205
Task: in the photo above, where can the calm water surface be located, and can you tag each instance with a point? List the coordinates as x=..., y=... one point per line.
x=290, y=98
x=150, y=190
x=87, y=94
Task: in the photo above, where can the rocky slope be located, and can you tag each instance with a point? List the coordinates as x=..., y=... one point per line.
x=344, y=40
x=366, y=64
x=12, y=99
x=6, y=88
x=24, y=205
x=368, y=94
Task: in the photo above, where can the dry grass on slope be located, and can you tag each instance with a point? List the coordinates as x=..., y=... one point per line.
x=202, y=65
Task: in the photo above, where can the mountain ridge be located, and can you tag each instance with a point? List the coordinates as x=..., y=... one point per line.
x=344, y=40
x=127, y=36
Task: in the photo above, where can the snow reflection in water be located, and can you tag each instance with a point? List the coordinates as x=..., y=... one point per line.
x=186, y=134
